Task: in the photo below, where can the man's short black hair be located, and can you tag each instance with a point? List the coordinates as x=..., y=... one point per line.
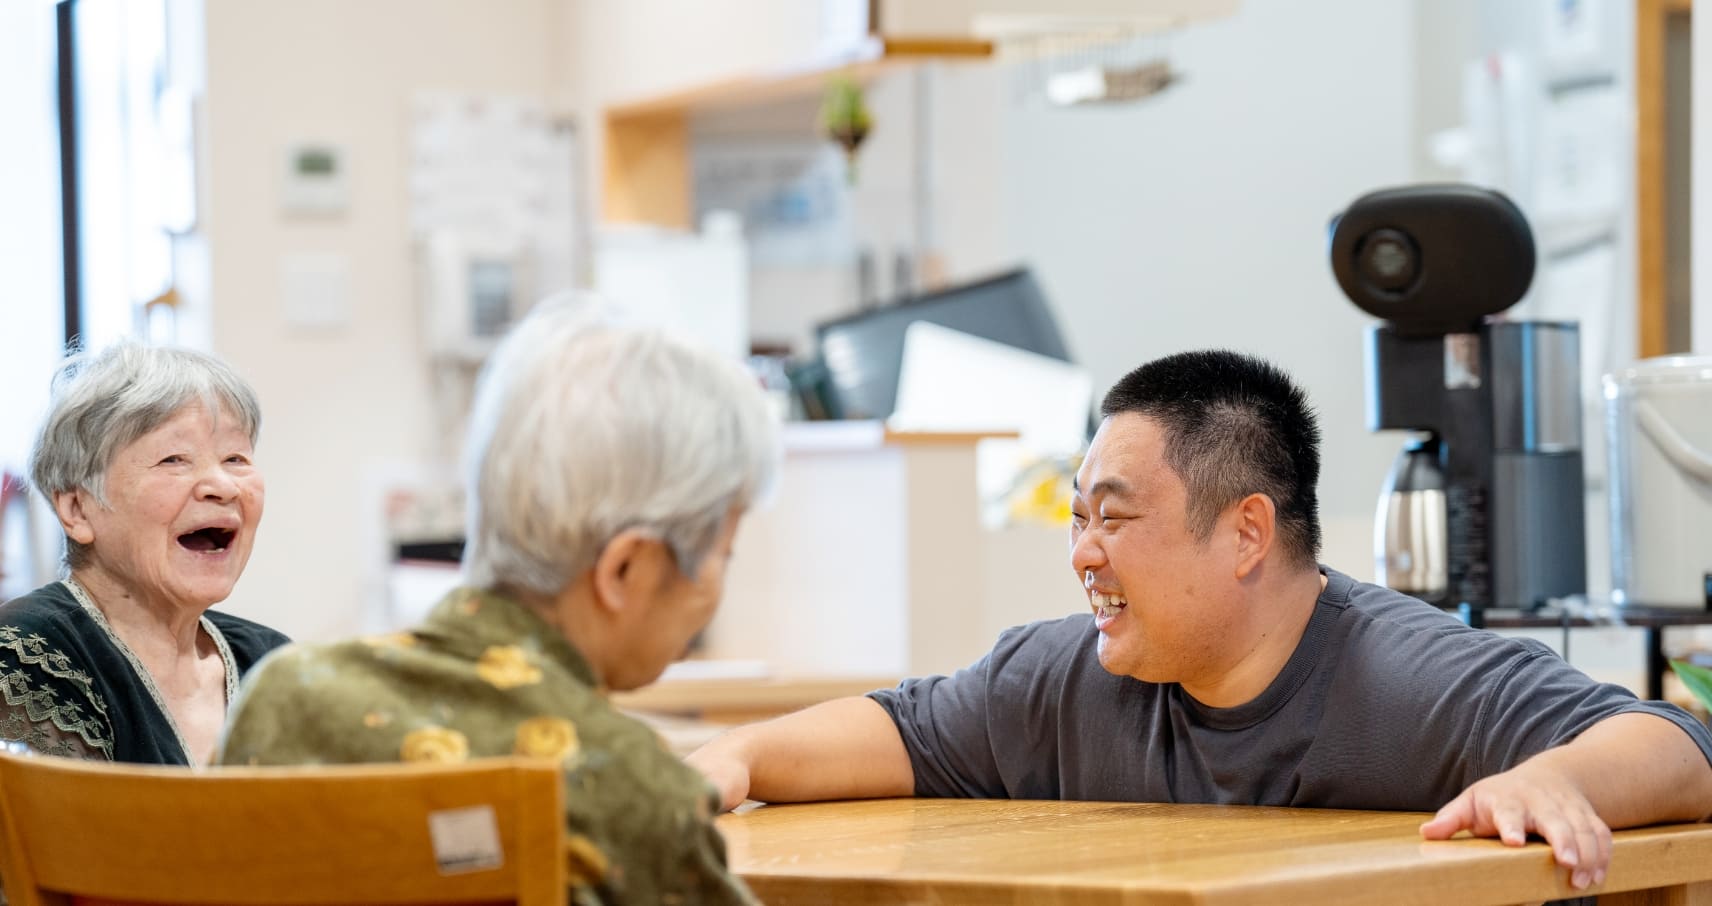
x=1234, y=425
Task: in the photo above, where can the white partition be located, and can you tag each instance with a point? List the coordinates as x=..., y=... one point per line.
x=871, y=560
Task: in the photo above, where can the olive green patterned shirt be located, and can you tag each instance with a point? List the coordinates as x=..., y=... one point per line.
x=482, y=677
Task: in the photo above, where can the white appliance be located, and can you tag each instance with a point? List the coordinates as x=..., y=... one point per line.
x=695, y=285
x=1658, y=422
x=473, y=290
x=954, y=381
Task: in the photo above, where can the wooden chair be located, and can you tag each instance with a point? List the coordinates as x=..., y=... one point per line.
x=83, y=832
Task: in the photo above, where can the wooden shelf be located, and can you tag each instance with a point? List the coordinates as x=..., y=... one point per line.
x=647, y=162
x=874, y=56
x=646, y=176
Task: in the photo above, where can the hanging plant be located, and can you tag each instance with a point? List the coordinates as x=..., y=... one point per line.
x=844, y=118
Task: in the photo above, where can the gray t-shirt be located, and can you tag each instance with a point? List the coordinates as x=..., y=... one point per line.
x=1387, y=703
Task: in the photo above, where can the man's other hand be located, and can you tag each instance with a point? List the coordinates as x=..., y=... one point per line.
x=1532, y=798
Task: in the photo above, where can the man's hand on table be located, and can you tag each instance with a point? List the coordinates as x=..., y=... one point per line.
x=1532, y=798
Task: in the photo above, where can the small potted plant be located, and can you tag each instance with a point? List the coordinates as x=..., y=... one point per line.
x=1698, y=680
x=844, y=117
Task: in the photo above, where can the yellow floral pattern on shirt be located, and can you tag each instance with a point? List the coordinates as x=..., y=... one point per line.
x=584, y=862
x=434, y=744
x=391, y=640
x=484, y=676
x=507, y=667
x=547, y=737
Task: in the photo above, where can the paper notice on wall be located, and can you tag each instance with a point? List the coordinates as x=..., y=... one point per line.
x=1575, y=37
x=499, y=168
x=1579, y=172
x=792, y=195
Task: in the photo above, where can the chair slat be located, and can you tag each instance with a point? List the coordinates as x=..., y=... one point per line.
x=265, y=836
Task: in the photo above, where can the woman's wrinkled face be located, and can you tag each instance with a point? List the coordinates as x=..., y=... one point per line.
x=681, y=607
x=183, y=503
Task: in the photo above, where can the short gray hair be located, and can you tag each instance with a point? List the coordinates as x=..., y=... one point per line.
x=583, y=427
x=103, y=400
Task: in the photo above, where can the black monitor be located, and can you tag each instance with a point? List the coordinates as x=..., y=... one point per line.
x=864, y=352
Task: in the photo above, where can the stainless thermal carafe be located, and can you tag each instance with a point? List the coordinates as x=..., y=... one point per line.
x=1411, y=535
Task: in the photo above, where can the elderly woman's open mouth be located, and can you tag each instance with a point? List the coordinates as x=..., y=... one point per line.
x=208, y=540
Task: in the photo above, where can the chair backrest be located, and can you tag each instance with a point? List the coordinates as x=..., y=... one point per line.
x=483, y=832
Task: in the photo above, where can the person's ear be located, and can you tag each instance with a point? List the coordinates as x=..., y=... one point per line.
x=630, y=571
x=1256, y=527
x=72, y=509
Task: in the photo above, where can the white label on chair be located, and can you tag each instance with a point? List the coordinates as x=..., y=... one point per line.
x=465, y=839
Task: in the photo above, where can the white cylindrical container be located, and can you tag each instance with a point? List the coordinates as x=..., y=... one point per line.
x=1658, y=428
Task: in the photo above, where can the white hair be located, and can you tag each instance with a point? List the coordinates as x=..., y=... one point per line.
x=583, y=427
x=104, y=400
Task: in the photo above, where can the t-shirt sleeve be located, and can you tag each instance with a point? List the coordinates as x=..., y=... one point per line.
x=1541, y=702
x=949, y=723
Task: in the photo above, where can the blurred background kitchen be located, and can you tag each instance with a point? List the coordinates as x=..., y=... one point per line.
x=350, y=199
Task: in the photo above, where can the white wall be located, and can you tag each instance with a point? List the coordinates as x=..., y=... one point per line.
x=641, y=48
x=1195, y=218
x=1701, y=142
x=1192, y=219
x=1446, y=38
x=341, y=406
x=1198, y=217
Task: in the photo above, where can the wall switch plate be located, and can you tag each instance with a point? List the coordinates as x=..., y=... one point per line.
x=315, y=179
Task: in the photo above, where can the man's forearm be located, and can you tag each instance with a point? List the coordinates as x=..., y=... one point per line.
x=843, y=749
x=1637, y=769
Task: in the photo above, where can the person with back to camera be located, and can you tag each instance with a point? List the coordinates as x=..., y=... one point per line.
x=606, y=471
x=1221, y=664
x=147, y=456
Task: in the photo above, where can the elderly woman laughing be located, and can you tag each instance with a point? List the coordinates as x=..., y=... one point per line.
x=147, y=456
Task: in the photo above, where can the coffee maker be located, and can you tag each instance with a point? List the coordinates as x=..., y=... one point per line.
x=1484, y=506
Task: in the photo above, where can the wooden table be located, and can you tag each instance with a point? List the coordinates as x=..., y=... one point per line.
x=951, y=852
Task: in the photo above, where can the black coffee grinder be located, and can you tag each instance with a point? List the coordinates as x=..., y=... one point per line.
x=1484, y=508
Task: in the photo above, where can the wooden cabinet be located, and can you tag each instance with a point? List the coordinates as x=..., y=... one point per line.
x=1662, y=163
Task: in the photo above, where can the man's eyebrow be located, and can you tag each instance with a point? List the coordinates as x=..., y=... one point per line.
x=1112, y=487
x=1115, y=487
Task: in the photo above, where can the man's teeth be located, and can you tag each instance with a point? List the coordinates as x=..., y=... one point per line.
x=1107, y=605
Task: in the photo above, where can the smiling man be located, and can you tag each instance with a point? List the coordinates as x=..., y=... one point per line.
x=1220, y=663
